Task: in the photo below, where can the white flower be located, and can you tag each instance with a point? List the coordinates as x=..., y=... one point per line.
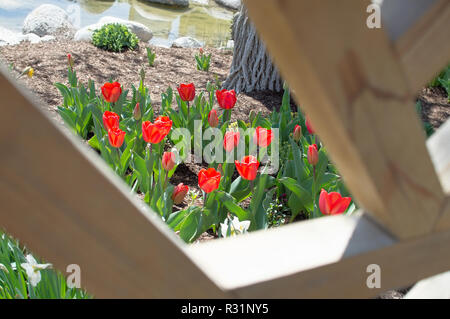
x=32, y=268
x=2, y=267
x=236, y=227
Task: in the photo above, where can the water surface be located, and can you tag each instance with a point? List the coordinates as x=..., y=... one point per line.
x=208, y=23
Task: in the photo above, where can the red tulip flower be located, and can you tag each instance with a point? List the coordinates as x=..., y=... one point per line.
x=263, y=137
x=333, y=203
x=297, y=133
x=187, y=92
x=231, y=140
x=309, y=126
x=179, y=192
x=226, y=99
x=168, y=161
x=116, y=137
x=313, y=155
x=155, y=132
x=208, y=180
x=248, y=167
x=213, y=119
x=110, y=120
x=111, y=91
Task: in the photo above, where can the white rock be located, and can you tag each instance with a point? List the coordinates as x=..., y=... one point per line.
x=232, y=4
x=186, y=42
x=47, y=19
x=200, y=2
x=141, y=31
x=175, y=3
x=8, y=37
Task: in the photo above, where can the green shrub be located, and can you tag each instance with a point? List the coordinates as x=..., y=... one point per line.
x=114, y=37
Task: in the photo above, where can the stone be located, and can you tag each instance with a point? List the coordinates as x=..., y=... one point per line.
x=174, y=3
x=186, y=42
x=8, y=37
x=231, y=4
x=47, y=19
x=141, y=31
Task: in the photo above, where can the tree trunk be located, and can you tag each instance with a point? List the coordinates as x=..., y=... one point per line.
x=252, y=68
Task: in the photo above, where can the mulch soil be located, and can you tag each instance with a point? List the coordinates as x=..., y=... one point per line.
x=172, y=67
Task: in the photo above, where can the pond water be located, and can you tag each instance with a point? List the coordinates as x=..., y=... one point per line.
x=208, y=23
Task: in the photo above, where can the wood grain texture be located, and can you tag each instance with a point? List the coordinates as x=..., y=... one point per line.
x=424, y=49
x=401, y=264
x=349, y=81
x=267, y=255
x=61, y=200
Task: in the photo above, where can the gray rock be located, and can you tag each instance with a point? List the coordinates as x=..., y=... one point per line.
x=8, y=37
x=186, y=42
x=47, y=19
x=232, y=4
x=175, y=3
x=141, y=31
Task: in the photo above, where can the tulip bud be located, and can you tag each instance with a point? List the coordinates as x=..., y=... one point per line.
x=179, y=192
x=213, y=119
x=137, y=112
x=313, y=155
x=309, y=126
x=168, y=161
x=297, y=133
x=70, y=60
x=201, y=51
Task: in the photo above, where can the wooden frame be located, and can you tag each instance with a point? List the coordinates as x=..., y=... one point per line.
x=356, y=86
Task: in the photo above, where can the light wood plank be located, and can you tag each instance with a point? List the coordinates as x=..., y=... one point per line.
x=350, y=83
x=439, y=147
x=424, y=49
x=436, y=287
x=401, y=265
x=266, y=255
x=61, y=200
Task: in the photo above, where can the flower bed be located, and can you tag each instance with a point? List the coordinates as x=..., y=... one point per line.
x=248, y=168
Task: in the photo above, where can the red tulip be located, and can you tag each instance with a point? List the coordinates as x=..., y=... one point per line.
x=110, y=120
x=231, y=140
x=248, y=167
x=213, y=119
x=168, y=161
x=309, y=126
x=313, y=155
x=226, y=99
x=208, y=180
x=333, y=203
x=155, y=132
x=179, y=192
x=187, y=92
x=116, y=137
x=111, y=91
x=263, y=137
x=297, y=133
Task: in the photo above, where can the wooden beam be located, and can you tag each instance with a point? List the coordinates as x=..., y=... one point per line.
x=267, y=255
x=424, y=49
x=401, y=264
x=63, y=202
x=350, y=83
x=439, y=147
